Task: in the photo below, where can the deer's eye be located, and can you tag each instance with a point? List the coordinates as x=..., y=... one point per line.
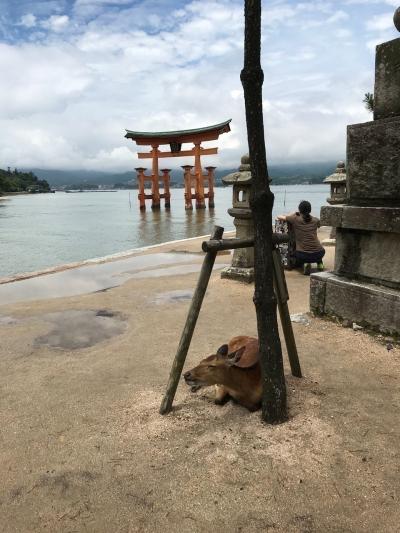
x=210, y=366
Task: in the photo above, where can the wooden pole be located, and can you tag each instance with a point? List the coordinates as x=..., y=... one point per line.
x=188, y=186
x=210, y=171
x=232, y=244
x=155, y=201
x=274, y=403
x=167, y=194
x=200, y=203
x=141, y=195
x=190, y=324
x=282, y=296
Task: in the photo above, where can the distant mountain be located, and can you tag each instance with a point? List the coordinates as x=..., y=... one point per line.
x=283, y=174
x=296, y=173
x=57, y=178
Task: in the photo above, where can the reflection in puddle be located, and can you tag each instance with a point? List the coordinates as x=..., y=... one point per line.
x=100, y=277
x=7, y=320
x=172, y=271
x=173, y=296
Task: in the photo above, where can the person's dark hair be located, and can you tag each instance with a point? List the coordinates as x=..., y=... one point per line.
x=305, y=210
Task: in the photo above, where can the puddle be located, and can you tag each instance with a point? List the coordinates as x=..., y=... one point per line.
x=173, y=296
x=99, y=277
x=7, y=320
x=172, y=271
x=76, y=329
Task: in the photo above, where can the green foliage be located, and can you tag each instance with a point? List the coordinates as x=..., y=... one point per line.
x=369, y=101
x=15, y=181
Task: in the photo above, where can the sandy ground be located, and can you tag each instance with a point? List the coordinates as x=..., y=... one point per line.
x=83, y=448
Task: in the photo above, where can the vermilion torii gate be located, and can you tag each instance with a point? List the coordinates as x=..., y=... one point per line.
x=195, y=181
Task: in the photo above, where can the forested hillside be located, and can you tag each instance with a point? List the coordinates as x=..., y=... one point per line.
x=14, y=181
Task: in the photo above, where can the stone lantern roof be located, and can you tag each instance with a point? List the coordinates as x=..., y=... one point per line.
x=339, y=175
x=242, y=175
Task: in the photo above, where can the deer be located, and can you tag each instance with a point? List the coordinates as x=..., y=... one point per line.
x=234, y=370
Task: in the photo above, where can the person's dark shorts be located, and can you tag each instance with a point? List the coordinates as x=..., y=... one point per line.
x=309, y=257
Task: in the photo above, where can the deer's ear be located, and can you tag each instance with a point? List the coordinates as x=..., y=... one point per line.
x=223, y=350
x=234, y=357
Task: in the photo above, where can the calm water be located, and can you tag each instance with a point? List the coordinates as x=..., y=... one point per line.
x=39, y=231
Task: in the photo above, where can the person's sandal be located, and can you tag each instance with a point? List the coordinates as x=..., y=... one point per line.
x=307, y=269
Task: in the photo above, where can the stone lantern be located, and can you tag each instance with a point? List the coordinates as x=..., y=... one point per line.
x=242, y=268
x=337, y=181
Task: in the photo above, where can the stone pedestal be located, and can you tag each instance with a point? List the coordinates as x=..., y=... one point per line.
x=367, y=304
x=242, y=268
x=365, y=284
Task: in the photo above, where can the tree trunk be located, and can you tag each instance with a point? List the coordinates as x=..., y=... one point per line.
x=274, y=408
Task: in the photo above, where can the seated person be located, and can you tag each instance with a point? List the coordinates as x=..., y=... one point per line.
x=308, y=247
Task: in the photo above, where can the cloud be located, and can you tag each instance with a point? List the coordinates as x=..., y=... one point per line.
x=280, y=14
x=337, y=17
x=98, y=67
x=393, y=3
x=52, y=79
x=79, y=3
x=28, y=20
x=56, y=23
x=380, y=22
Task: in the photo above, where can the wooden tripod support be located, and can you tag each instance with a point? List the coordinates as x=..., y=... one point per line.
x=212, y=247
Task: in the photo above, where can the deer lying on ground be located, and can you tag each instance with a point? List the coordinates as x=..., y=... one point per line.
x=234, y=370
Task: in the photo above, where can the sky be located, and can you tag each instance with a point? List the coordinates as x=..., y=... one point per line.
x=76, y=73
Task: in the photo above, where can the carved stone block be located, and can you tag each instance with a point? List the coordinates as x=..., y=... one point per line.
x=373, y=163
x=382, y=219
x=387, y=80
x=331, y=215
x=368, y=255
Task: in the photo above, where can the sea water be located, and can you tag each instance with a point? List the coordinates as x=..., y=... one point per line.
x=45, y=230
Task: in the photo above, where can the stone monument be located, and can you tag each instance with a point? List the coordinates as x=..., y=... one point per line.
x=365, y=284
x=242, y=268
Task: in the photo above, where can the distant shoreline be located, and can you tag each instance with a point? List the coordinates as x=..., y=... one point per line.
x=69, y=191
x=23, y=193
x=180, y=187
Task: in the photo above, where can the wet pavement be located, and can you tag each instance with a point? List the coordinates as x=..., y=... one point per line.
x=173, y=296
x=100, y=277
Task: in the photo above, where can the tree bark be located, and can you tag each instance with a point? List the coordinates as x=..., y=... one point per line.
x=274, y=406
